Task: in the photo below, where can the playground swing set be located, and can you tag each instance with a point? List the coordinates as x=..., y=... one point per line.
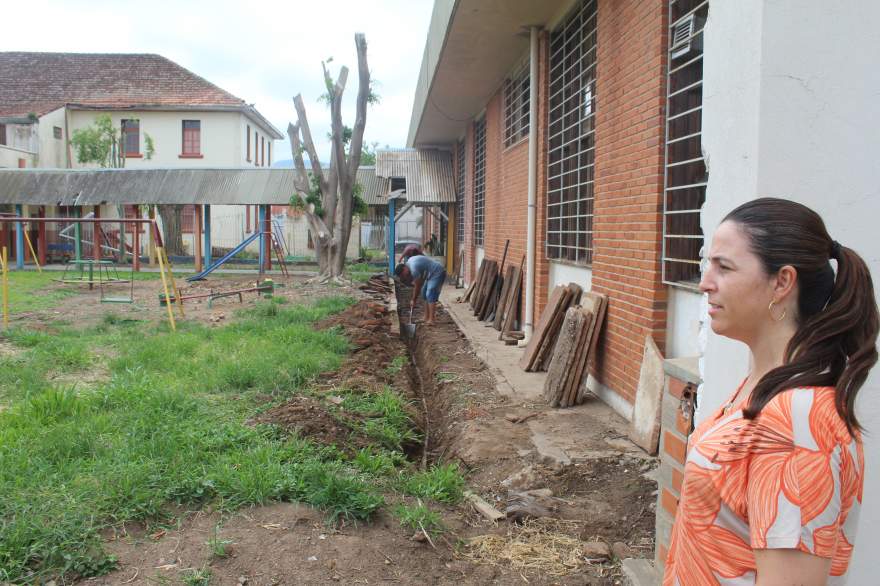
x=105, y=271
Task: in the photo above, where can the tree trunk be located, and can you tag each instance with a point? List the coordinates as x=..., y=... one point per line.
x=172, y=225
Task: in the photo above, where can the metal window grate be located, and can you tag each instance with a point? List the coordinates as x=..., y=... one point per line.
x=686, y=173
x=459, y=193
x=479, y=179
x=571, y=154
x=516, y=105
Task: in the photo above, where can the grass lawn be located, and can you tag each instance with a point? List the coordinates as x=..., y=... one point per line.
x=165, y=430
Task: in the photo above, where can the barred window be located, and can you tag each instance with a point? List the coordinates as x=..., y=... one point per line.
x=459, y=193
x=479, y=179
x=571, y=154
x=686, y=174
x=516, y=104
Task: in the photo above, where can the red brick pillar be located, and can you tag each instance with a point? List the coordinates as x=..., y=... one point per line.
x=677, y=415
x=628, y=210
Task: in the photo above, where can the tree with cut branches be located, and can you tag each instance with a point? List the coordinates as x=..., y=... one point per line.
x=328, y=195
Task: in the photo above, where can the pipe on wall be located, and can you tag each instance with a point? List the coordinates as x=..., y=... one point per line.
x=528, y=326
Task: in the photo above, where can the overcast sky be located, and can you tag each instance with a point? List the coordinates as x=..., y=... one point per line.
x=263, y=51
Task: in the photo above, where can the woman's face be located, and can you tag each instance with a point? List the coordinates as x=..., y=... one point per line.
x=739, y=290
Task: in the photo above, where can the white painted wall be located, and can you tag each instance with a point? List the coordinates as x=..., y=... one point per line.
x=790, y=110
x=9, y=157
x=221, y=144
x=683, y=323
x=52, y=153
x=563, y=274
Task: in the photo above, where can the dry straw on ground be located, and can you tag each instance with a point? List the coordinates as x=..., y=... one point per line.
x=538, y=544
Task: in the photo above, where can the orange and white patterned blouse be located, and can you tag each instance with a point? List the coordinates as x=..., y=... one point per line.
x=790, y=478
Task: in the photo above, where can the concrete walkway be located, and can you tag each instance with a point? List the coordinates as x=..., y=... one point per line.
x=560, y=437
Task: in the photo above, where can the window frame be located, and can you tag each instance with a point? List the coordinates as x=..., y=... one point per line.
x=685, y=175
x=186, y=151
x=4, y=141
x=460, y=190
x=515, y=104
x=131, y=127
x=571, y=144
x=248, y=135
x=479, y=182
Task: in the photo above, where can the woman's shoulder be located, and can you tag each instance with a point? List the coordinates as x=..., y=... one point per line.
x=810, y=410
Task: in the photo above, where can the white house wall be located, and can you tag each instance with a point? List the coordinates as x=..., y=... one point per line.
x=220, y=137
x=52, y=151
x=10, y=156
x=790, y=111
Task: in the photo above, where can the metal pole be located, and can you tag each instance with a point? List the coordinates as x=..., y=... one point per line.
x=531, y=235
x=262, y=239
x=391, y=239
x=197, y=238
x=207, y=237
x=77, y=235
x=19, y=239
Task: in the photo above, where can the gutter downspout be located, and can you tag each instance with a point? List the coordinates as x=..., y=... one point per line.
x=528, y=326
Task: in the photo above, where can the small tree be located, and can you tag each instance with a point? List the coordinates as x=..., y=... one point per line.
x=328, y=195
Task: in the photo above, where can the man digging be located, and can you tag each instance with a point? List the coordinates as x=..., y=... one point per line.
x=425, y=275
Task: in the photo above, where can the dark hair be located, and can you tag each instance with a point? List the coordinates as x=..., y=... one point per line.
x=398, y=270
x=835, y=341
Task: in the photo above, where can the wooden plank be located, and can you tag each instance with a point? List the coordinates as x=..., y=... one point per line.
x=512, y=309
x=542, y=362
x=481, y=275
x=545, y=351
x=599, y=320
x=541, y=328
x=503, y=299
x=644, y=428
x=559, y=365
x=473, y=286
x=512, y=313
x=577, y=366
x=485, y=293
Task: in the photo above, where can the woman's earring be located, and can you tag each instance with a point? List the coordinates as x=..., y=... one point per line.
x=770, y=309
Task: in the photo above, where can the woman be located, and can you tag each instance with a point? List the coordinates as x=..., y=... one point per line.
x=773, y=480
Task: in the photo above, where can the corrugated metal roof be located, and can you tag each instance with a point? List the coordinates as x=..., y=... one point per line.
x=428, y=173
x=376, y=188
x=158, y=186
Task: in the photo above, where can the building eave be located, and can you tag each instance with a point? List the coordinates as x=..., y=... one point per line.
x=471, y=46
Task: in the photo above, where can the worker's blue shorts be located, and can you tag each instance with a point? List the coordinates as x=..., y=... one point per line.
x=431, y=288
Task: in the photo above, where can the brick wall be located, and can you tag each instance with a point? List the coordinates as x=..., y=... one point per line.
x=677, y=416
x=628, y=209
x=628, y=218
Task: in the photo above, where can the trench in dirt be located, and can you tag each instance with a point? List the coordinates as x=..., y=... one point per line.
x=452, y=401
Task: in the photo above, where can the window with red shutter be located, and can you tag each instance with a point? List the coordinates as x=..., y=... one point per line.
x=192, y=137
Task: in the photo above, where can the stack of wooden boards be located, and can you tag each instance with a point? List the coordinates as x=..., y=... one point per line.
x=540, y=348
x=495, y=298
x=564, y=342
x=575, y=352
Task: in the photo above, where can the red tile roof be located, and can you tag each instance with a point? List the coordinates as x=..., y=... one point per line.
x=42, y=82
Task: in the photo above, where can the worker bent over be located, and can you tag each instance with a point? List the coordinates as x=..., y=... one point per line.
x=425, y=275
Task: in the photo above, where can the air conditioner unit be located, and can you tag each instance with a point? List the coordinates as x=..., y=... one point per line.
x=683, y=39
